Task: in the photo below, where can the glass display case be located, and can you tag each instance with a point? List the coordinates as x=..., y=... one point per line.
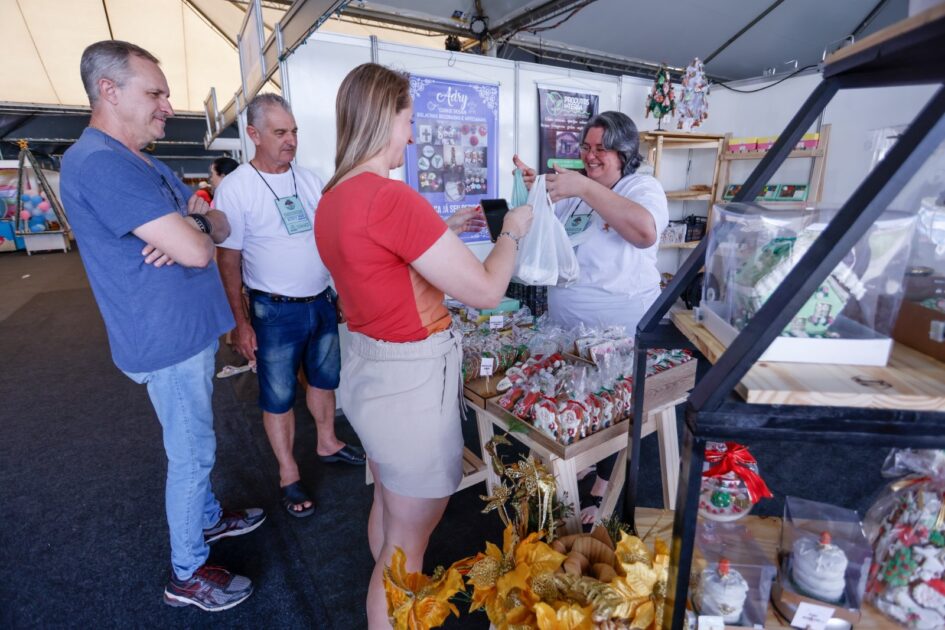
x=850, y=316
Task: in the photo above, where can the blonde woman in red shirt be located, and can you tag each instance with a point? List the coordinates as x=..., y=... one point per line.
x=392, y=259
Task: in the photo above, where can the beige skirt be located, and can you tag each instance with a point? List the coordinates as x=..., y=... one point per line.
x=403, y=401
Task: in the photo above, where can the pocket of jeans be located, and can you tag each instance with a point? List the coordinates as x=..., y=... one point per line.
x=265, y=312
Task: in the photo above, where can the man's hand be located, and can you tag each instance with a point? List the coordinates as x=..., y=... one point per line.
x=197, y=205
x=246, y=341
x=339, y=311
x=528, y=173
x=469, y=219
x=563, y=184
x=154, y=256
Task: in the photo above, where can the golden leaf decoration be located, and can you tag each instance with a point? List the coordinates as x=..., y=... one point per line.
x=416, y=601
x=566, y=617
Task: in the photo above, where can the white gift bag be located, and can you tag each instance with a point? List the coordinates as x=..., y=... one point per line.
x=545, y=256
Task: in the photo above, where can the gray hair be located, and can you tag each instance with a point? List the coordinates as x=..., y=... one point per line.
x=620, y=135
x=255, y=113
x=108, y=59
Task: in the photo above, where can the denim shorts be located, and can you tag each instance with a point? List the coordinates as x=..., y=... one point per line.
x=289, y=334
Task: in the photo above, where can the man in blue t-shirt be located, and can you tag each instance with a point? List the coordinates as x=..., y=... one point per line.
x=147, y=245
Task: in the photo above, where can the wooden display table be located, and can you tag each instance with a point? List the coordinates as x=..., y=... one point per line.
x=564, y=462
x=766, y=530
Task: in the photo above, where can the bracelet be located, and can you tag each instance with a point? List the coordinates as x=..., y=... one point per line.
x=515, y=239
x=203, y=223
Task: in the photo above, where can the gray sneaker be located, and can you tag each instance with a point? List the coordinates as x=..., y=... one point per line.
x=234, y=523
x=210, y=588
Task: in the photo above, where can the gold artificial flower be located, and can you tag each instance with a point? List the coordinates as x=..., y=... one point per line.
x=416, y=601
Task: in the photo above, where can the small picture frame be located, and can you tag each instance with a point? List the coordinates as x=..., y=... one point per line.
x=731, y=190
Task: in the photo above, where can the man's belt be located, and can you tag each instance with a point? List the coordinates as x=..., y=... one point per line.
x=285, y=298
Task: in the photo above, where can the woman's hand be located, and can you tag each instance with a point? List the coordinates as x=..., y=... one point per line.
x=563, y=184
x=518, y=220
x=528, y=173
x=469, y=219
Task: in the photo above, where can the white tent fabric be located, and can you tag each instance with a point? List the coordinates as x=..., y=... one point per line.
x=194, y=39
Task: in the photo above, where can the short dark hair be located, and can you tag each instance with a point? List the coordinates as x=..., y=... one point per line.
x=254, y=111
x=108, y=59
x=620, y=135
x=223, y=166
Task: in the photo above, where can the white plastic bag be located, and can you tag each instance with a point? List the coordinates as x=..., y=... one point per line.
x=545, y=255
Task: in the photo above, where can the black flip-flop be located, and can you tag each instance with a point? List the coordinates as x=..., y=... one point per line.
x=294, y=494
x=347, y=454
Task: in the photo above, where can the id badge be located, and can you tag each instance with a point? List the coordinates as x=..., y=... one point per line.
x=293, y=214
x=577, y=223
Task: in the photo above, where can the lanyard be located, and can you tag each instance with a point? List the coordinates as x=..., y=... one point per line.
x=295, y=188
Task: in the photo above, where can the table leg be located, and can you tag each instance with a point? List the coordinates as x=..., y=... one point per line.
x=486, y=432
x=614, y=486
x=565, y=473
x=669, y=455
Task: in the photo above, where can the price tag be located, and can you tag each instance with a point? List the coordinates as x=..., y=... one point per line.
x=811, y=616
x=711, y=622
x=486, y=366
x=496, y=322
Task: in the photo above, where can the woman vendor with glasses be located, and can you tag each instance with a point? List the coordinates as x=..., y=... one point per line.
x=614, y=218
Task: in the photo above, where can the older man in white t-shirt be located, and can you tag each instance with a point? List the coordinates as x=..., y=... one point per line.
x=292, y=321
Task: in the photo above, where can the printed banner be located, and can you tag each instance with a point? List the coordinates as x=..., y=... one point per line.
x=453, y=159
x=562, y=116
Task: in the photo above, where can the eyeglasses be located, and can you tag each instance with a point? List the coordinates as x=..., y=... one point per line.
x=599, y=149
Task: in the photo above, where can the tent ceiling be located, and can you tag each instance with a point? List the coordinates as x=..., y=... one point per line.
x=194, y=39
x=675, y=32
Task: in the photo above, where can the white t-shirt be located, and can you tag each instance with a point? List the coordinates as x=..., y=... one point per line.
x=618, y=281
x=274, y=261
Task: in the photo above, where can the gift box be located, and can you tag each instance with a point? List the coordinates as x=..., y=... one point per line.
x=808, y=142
x=848, y=319
x=732, y=576
x=742, y=145
x=766, y=142
x=823, y=560
x=907, y=528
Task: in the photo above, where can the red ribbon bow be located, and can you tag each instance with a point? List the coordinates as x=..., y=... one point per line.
x=736, y=459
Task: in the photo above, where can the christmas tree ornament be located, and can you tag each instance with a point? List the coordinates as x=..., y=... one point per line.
x=661, y=100
x=693, y=100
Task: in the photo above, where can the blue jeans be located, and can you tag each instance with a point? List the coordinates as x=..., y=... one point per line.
x=290, y=334
x=181, y=397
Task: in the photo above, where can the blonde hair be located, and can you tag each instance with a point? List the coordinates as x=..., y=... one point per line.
x=368, y=100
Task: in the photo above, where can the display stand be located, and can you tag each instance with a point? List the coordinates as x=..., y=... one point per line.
x=664, y=390
x=907, y=53
x=659, y=142
x=815, y=186
x=46, y=239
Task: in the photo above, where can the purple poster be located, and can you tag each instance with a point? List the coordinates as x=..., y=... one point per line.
x=562, y=116
x=453, y=159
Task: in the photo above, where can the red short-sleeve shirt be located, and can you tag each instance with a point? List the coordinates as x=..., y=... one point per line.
x=368, y=230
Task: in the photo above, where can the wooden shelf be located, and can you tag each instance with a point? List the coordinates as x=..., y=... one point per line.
x=689, y=195
x=757, y=155
x=911, y=381
x=766, y=530
x=686, y=245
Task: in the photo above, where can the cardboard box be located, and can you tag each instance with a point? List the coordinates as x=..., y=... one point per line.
x=921, y=328
x=742, y=145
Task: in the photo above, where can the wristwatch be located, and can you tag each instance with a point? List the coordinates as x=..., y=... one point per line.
x=515, y=239
x=202, y=222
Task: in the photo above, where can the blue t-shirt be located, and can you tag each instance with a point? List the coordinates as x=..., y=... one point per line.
x=155, y=317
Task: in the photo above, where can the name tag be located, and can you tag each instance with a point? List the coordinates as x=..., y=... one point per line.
x=577, y=223
x=293, y=214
